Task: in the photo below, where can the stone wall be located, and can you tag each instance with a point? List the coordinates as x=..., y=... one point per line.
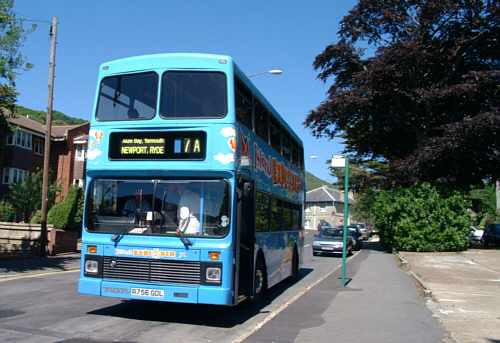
x=22, y=240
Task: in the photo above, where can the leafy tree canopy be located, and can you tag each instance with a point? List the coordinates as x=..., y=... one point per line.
x=427, y=100
x=58, y=118
x=12, y=34
x=363, y=176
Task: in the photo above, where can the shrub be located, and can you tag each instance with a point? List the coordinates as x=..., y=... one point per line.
x=37, y=217
x=26, y=196
x=63, y=214
x=420, y=218
x=7, y=212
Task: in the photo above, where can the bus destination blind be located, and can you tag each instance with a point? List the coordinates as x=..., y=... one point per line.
x=157, y=145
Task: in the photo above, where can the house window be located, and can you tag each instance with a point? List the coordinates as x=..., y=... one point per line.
x=38, y=147
x=80, y=152
x=322, y=207
x=10, y=139
x=20, y=138
x=13, y=175
x=78, y=183
x=5, y=176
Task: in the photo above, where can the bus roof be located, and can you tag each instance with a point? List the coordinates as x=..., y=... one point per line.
x=145, y=62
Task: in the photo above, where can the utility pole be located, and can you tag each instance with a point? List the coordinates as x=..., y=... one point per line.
x=48, y=132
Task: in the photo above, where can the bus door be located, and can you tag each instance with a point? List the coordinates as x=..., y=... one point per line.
x=245, y=239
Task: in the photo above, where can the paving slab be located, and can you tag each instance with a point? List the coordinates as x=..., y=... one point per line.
x=465, y=290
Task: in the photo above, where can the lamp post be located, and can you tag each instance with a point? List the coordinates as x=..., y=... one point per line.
x=270, y=72
x=339, y=161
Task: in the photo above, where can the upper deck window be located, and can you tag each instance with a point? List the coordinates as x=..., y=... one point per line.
x=128, y=97
x=243, y=103
x=193, y=94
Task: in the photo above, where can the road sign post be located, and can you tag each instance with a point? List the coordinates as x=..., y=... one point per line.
x=343, y=162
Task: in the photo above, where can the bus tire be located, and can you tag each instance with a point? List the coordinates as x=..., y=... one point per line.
x=295, y=264
x=260, y=279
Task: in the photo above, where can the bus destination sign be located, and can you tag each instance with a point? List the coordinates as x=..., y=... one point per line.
x=171, y=145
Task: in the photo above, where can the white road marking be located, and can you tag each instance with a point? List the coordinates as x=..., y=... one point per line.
x=451, y=300
x=38, y=275
x=307, y=245
x=283, y=306
x=463, y=293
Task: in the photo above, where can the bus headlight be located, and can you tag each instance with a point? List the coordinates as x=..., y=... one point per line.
x=92, y=266
x=213, y=274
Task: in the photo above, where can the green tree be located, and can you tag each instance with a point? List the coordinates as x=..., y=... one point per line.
x=426, y=97
x=363, y=207
x=26, y=196
x=363, y=175
x=12, y=35
x=484, y=203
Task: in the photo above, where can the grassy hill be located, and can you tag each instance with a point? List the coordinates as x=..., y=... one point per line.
x=58, y=118
x=312, y=181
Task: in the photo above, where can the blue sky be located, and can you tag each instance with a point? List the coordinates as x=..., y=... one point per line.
x=260, y=35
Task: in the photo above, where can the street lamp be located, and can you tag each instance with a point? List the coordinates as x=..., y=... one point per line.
x=339, y=161
x=271, y=72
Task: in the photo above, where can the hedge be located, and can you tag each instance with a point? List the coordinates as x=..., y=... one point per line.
x=66, y=215
x=37, y=217
x=420, y=218
x=7, y=212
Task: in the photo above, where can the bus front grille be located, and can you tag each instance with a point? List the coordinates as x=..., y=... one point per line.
x=151, y=270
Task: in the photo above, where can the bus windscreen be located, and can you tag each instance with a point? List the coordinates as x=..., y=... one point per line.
x=193, y=94
x=159, y=207
x=128, y=97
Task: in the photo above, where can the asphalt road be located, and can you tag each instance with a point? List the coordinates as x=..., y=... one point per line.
x=48, y=309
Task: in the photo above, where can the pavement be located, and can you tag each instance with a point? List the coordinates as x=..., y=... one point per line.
x=464, y=291
x=380, y=304
x=15, y=268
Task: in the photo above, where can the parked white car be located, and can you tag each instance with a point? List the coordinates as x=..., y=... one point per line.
x=475, y=237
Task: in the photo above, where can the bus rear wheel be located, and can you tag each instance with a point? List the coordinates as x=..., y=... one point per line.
x=260, y=279
x=295, y=265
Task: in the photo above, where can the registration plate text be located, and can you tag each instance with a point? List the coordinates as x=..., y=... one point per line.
x=147, y=292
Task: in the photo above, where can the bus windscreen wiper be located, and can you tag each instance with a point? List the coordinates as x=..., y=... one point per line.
x=183, y=238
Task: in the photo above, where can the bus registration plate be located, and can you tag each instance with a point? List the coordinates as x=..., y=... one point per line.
x=147, y=292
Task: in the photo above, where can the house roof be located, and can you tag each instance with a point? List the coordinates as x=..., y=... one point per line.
x=27, y=123
x=61, y=131
x=326, y=194
x=57, y=132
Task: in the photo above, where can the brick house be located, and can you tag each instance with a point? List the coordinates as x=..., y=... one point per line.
x=325, y=205
x=24, y=149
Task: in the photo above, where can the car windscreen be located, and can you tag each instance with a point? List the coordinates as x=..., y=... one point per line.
x=193, y=94
x=331, y=233
x=127, y=97
x=159, y=207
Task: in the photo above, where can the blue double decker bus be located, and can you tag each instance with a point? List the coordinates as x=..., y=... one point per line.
x=195, y=184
